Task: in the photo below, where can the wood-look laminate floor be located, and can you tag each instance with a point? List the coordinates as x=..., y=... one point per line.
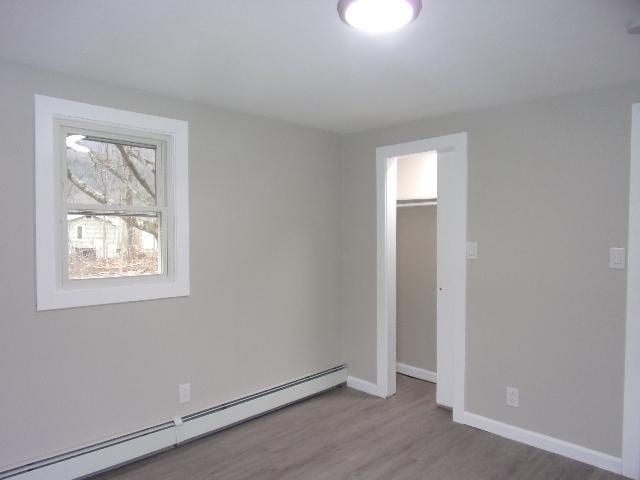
x=345, y=434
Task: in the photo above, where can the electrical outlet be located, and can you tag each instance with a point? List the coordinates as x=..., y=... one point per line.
x=617, y=257
x=513, y=397
x=184, y=393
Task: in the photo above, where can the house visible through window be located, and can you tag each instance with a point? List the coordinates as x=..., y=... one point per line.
x=111, y=205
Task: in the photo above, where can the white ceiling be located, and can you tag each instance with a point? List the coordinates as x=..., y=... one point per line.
x=294, y=60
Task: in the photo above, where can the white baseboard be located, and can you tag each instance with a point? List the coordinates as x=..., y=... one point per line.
x=416, y=372
x=364, y=386
x=243, y=411
x=99, y=460
x=101, y=457
x=545, y=442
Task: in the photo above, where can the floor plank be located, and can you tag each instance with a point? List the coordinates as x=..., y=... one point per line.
x=345, y=434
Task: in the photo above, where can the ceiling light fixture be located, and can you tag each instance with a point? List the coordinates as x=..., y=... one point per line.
x=378, y=16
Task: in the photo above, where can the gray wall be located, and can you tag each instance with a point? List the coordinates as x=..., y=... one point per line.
x=271, y=205
x=264, y=307
x=416, y=283
x=548, y=195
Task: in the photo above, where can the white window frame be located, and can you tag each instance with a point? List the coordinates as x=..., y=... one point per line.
x=53, y=289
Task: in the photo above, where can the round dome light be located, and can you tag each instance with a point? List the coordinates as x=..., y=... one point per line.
x=378, y=16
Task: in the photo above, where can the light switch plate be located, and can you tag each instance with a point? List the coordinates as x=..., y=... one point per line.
x=472, y=250
x=617, y=258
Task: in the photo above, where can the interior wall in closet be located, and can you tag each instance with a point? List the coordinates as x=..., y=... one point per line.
x=416, y=241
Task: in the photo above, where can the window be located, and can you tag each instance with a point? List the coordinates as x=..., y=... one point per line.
x=111, y=205
x=116, y=188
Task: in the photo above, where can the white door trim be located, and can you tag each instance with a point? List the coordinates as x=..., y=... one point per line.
x=631, y=418
x=450, y=390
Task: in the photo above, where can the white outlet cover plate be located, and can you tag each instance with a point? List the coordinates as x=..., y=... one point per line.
x=184, y=393
x=617, y=258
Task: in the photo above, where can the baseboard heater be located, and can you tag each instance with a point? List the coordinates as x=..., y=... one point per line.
x=134, y=446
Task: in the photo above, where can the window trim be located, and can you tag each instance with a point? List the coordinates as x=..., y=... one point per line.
x=51, y=291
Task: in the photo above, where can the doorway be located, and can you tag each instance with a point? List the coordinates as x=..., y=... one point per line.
x=451, y=265
x=416, y=266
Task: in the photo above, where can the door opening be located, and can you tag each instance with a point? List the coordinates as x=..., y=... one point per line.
x=451, y=265
x=416, y=268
